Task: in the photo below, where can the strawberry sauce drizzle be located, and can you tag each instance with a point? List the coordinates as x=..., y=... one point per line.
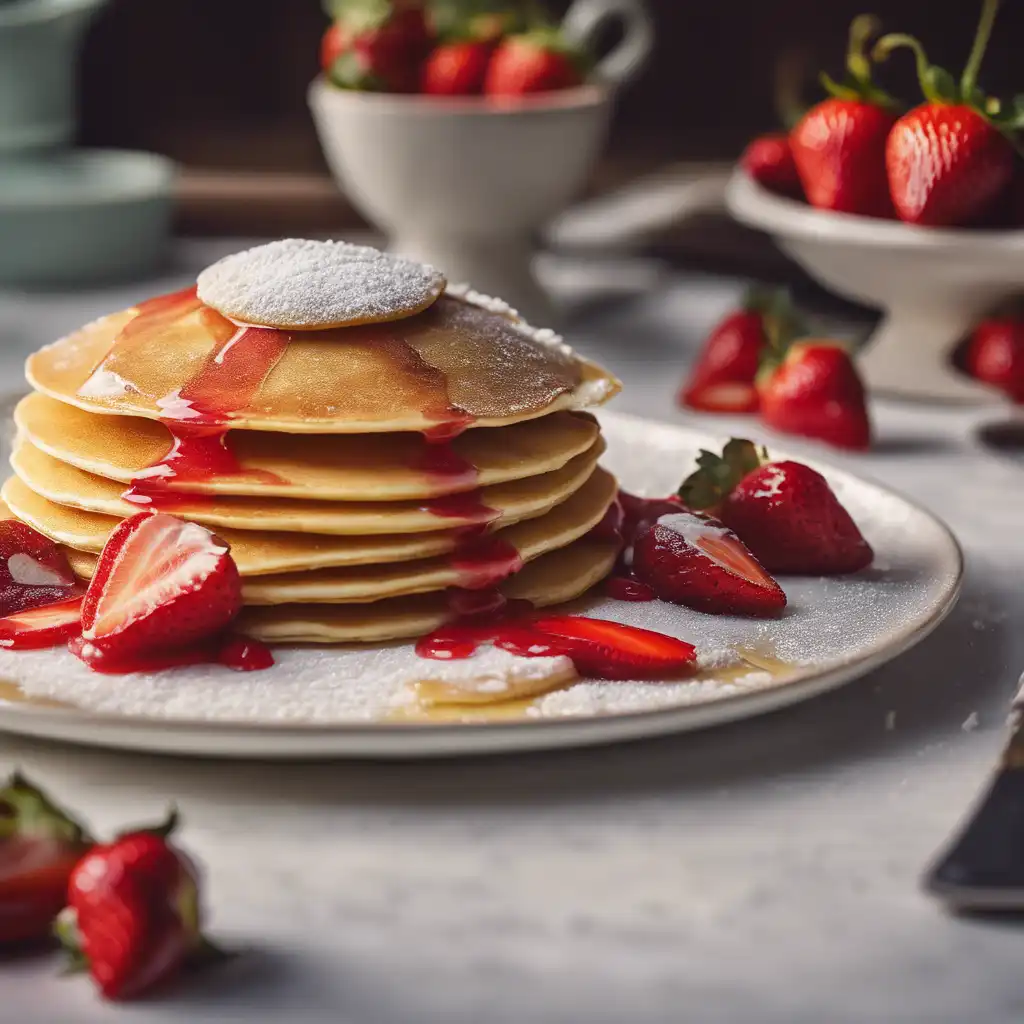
x=238, y=653
x=481, y=560
x=198, y=415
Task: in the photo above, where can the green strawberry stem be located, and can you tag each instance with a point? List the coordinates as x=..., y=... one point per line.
x=937, y=84
x=969, y=81
x=717, y=476
x=164, y=830
x=858, y=84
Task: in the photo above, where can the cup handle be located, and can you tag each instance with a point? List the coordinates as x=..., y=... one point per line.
x=585, y=18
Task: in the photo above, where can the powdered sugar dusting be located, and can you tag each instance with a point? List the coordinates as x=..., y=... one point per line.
x=829, y=623
x=307, y=285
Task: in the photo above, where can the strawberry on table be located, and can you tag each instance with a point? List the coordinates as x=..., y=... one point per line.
x=995, y=355
x=724, y=378
x=768, y=159
x=133, y=917
x=839, y=145
x=785, y=512
x=816, y=391
x=950, y=160
x=39, y=848
x=161, y=584
x=699, y=562
x=541, y=60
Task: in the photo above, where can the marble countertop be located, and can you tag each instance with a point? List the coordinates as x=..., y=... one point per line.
x=762, y=873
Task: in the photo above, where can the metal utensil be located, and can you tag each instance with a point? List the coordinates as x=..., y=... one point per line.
x=984, y=867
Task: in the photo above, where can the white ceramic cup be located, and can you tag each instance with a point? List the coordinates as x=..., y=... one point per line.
x=467, y=183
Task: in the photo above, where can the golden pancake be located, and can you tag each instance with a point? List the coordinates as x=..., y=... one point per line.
x=514, y=501
x=532, y=539
x=254, y=552
x=377, y=467
x=552, y=579
x=456, y=363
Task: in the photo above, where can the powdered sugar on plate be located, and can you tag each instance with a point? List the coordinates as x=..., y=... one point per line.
x=829, y=624
x=306, y=285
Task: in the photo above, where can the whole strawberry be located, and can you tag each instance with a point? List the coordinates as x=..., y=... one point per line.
x=378, y=45
x=457, y=69
x=949, y=161
x=785, y=512
x=816, y=392
x=839, y=145
x=541, y=60
x=995, y=355
x=39, y=848
x=133, y=916
x=768, y=159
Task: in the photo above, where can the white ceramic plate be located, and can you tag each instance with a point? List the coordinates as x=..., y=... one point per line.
x=835, y=630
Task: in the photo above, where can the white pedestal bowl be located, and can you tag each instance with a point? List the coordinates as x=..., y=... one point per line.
x=464, y=185
x=932, y=285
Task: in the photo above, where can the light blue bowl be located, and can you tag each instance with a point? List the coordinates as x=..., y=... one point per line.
x=83, y=216
x=39, y=42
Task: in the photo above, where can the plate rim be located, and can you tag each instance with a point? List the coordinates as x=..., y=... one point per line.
x=448, y=738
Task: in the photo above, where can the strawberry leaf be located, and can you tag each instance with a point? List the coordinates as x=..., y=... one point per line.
x=717, y=475
x=26, y=811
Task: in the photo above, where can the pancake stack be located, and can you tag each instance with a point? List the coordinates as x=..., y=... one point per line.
x=381, y=452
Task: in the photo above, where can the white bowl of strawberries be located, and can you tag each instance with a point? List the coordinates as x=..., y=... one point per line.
x=916, y=213
x=460, y=127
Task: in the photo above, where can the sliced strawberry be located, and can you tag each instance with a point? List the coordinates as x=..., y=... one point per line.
x=610, y=650
x=728, y=396
x=161, y=583
x=696, y=561
x=33, y=570
x=785, y=512
x=53, y=625
x=723, y=378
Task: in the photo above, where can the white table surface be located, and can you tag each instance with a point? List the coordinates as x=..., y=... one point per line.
x=763, y=872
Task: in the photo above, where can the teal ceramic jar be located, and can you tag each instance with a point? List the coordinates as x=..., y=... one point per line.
x=39, y=43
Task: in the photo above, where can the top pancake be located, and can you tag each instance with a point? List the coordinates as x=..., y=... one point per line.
x=304, y=285
x=455, y=365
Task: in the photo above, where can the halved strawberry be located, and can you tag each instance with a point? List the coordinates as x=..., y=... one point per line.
x=161, y=583
x=610, y=650
x=33, y=570
x=699, y=562
x=785, y=512
x=52, y=625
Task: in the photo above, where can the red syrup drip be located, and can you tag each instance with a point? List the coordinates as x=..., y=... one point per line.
x=238, y=653
x=198, y=415
x=482, y=616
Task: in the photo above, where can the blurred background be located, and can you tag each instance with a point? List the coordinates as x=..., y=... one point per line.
x=221, y=87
